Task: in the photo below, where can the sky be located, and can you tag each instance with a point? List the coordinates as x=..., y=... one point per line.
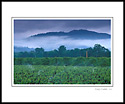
x=25, y=28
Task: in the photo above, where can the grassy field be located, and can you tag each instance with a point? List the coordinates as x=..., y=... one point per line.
x=50, y=74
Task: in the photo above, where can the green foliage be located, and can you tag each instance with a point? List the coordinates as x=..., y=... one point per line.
x=62, y=51
x=67, y=61
x=96, y=51
x=41, y=74
x=39, y=52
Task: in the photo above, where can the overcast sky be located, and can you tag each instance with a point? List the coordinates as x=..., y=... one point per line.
x=25, y=28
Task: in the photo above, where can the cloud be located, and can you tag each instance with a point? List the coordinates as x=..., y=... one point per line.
x=53, y=42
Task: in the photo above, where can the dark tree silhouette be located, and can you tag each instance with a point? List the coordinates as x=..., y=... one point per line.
x=96, y=51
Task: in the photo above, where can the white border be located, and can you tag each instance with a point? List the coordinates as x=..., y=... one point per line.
x=59, y=85
x=63, y=94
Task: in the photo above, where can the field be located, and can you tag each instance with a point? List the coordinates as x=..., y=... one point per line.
x=39, y=74
x=60, y=70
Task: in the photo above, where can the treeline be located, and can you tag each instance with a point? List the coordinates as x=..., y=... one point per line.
x=96, y=51
x=65, y=61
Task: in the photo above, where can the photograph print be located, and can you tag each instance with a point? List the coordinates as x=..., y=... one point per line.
x=62, y=51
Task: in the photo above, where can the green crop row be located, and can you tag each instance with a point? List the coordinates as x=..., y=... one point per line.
x=41, y=74
x=67, y=61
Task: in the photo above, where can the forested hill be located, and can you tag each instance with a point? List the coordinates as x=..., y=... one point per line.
x=76, y=34
x=96, y=51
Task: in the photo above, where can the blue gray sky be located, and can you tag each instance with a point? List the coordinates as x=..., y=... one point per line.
x=25, y=28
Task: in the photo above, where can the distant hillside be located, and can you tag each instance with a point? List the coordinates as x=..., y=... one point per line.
x=22, y=49
x=75, y=34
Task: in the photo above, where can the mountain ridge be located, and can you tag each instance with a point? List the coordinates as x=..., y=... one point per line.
x=81, y=33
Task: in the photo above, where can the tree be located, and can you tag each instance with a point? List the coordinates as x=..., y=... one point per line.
x=96, y=51
x=100, y=51
x=31, y=54
x=76, y=52
x=39, y=52
x=62, y=51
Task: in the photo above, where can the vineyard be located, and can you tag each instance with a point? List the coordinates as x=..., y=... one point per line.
x=62, y=70
x=61, y=61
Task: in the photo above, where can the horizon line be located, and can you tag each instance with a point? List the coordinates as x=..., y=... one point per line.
x=69, y=31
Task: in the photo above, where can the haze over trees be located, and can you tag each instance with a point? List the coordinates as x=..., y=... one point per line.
x=96, y=51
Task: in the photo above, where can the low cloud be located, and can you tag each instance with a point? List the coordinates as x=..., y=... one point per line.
x=53, y=42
